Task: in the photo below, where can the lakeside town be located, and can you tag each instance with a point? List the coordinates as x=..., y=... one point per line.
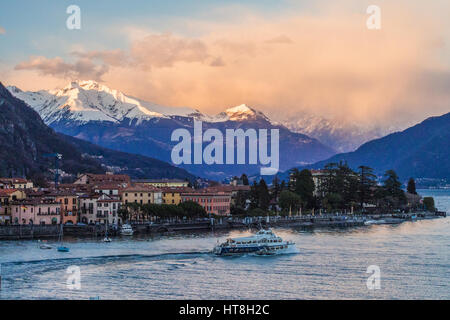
x=309, y=196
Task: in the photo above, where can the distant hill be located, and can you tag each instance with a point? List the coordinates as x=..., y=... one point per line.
x=421, y=151
x=25, y=139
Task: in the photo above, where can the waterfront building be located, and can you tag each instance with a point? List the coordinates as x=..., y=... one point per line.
x=36, y=211
x=172, y=195
x=69, y=206
x=107, y=210
x=15, y=183
x=110, y=189
x=235, y=190
x=7, y=196
x=98, y=179
x=88, y=208
x=214, y=202
x=141, y=194
x=160, y=183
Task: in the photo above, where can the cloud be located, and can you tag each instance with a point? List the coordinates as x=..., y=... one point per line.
x=323, y=61
x=164, y=50
x=280, y=39
x=2, y=30
x=111, y=57
x=81, y=69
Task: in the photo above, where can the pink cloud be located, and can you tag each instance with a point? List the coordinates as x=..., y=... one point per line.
x=328, y=63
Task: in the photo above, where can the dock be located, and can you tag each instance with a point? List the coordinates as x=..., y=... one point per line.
x=18, y=232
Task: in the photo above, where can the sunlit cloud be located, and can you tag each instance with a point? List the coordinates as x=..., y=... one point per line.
x=326, y=62
x=81, y=69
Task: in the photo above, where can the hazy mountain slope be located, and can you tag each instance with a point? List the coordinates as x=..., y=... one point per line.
x=342, y=136
x=420, y=151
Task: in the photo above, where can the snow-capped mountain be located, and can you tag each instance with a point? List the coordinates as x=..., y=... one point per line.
x=84, y=101
x=342, y=136
x=93, y=112
x=239, y=113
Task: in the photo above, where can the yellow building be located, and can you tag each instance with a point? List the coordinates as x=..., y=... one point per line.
x=15, y=183
x=172, y=195
x=6, y=197
x=141, y=194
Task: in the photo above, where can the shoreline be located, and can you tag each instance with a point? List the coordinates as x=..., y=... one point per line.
x=37, y=232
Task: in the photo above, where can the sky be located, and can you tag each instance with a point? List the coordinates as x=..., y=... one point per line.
x=282, y=57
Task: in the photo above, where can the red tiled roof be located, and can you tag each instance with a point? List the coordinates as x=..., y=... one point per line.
x=7, y=192
x=14, y=180
x=176, y=189
x=140, y=187
x=108, y=177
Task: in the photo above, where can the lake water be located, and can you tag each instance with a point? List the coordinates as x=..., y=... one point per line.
x=413, y=257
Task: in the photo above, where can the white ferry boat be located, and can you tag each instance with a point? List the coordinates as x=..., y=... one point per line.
x=126, y=230
x=264, y=242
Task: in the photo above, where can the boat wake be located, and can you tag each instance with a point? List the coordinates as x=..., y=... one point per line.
x=108, y=258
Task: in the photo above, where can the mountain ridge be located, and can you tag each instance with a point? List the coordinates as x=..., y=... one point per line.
x=135, y=126
x=420, y=151
x=24, y=135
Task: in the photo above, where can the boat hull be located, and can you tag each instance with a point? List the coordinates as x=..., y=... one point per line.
x=259, y=250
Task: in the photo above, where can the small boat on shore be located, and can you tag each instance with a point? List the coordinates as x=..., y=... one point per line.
x=263, y=243
x=61, y=247
x=126, y=230
x=43, y=245
x=370, y=222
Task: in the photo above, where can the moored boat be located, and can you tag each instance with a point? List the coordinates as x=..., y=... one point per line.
x=264, y=242
x=126, y=230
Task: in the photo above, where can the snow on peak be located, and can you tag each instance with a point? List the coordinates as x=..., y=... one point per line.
x=88, y=100
x=13, y=89
x=239, y=113
x=243, y=108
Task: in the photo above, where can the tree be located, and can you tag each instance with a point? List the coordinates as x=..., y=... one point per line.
x=428, y=202
x=411, y=186
x=123, y=214
x=304, y=186
x=289, y=201
x=134, y=208
x=254, y=196
x=393, y=189
x=257, y=212
x=237, y=211
x=193, y=209
x=151, y=210
x=244, y=179
x=275, y=188
x=367, y=183
x=392, y=184
x=283, y=186
x=263, y=195
x=332, y=201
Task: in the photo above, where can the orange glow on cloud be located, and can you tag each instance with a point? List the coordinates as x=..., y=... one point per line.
x=328, y=63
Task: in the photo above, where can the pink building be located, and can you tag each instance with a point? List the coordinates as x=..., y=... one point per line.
x=36, y=211
x=217, y=203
